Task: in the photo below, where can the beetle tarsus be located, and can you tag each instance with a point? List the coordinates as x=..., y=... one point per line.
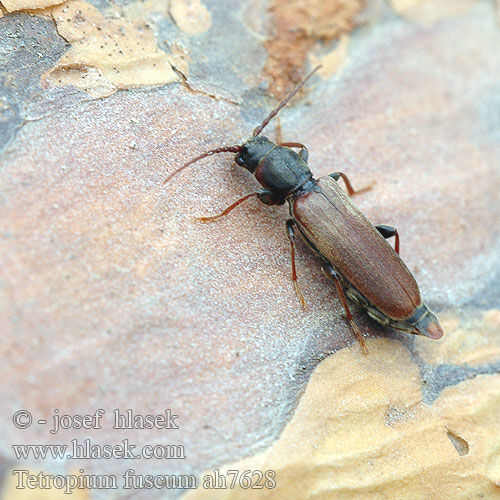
x=337, y=175
x=358, y=335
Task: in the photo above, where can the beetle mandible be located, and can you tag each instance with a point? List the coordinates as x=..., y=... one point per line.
x=355, y=254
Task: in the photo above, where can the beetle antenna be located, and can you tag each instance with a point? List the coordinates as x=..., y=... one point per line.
x=225, y=149
x=283, y=103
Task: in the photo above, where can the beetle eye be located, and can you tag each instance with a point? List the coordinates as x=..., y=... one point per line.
x=240, y=157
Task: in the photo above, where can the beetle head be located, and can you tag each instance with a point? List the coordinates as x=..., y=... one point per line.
x=252, y=152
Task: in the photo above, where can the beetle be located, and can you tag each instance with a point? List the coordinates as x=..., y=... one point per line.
x=355, y=254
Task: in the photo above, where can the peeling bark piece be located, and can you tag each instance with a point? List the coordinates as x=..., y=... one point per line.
x=82, y=76
x=16, y=5
x=107, y=53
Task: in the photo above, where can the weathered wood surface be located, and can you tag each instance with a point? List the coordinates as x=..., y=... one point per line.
x=112, y=296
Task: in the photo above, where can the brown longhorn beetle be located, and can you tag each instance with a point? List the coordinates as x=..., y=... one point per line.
x=355, y=254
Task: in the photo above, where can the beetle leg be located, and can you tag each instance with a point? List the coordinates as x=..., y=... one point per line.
x=291, y=236
x=264, y=195
x=387, y=232
x=350, y=189
x=330, y=272
x=279, y=135
x=303, y=153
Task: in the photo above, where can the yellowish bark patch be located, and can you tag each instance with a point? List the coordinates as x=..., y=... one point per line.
x=429, y=11
x=15, y=5
x=333, y=60
x=108, y=52
x=361, y=431
x=190, y=16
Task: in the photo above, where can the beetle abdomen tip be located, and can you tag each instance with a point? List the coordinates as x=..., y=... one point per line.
x=434, y=330
x=428, y=325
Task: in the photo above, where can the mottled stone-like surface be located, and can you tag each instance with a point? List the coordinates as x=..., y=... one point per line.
x=112, y=295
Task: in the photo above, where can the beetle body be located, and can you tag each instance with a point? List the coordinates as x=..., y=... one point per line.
x=370, y=271
x=354, y=253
